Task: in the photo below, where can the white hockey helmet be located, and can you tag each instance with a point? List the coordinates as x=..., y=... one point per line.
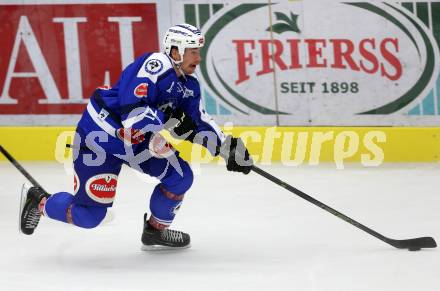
x=182, y=36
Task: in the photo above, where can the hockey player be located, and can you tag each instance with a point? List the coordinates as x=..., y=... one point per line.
x=120, y=126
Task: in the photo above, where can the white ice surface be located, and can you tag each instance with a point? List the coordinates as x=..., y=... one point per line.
x=247, y=233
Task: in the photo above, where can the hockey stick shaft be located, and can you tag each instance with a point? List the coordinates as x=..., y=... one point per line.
x=316, y=202
x=412, y=244
x=19, y=167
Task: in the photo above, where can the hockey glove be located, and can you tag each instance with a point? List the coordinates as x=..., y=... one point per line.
x=180, y=125
x=236, y=155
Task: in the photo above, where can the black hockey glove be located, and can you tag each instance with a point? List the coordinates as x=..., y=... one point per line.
x=180, y=125
x=236, y=155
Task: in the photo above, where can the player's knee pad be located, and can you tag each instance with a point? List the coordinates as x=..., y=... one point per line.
x=57, y=204
x=164, y=205
x=179, y=183
x=87, y=216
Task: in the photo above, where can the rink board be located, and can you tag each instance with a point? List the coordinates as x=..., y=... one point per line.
x=289, y=145
x=376, y=66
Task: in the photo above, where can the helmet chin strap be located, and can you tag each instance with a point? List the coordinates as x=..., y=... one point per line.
x=178, y=66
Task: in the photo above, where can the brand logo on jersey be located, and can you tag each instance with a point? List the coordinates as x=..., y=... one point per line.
x=141, y=90
x=188, y=93
x=102, y=188
x=75, y=183
x=159, y=147
x=153, y=66
x=103, y=114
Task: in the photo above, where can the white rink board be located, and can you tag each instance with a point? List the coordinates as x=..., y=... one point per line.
x=337, y=63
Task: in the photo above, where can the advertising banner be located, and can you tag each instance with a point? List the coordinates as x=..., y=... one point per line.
x=54, y=56
x=292, y=63
x=319, y=62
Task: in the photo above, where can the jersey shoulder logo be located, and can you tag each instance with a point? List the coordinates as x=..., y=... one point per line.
x=153, y=66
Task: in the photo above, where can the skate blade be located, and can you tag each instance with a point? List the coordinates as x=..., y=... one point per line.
x=155, y=248
x=24, y=190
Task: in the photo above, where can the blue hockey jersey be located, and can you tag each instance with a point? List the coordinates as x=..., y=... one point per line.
x=145, y=90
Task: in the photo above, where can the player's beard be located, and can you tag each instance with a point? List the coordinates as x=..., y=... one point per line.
x=188, y=70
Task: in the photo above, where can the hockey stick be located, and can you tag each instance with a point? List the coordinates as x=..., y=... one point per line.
x=109, y=216
x=413, y=244
x=19, y=167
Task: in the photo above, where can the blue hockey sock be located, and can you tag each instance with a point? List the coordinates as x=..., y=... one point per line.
x=164, y=205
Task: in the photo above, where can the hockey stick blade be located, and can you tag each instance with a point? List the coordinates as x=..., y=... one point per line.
x=413, y=243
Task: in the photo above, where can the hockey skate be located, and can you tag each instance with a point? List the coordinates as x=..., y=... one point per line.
x=167, y=239
x=29, y=213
